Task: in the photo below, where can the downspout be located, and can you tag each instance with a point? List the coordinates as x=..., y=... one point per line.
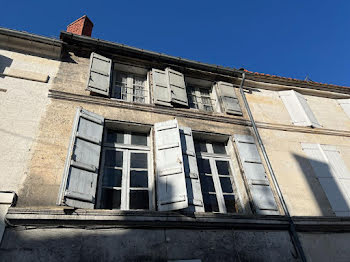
x=293, y=233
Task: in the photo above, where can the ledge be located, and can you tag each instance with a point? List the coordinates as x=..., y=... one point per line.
x=24, y=74
x=322, y=224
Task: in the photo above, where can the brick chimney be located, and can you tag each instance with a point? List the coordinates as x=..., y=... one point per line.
x=81, y=26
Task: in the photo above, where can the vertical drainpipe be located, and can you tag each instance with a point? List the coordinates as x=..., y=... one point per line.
x=292, y=230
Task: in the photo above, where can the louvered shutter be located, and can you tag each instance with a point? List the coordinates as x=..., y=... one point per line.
x=176, y=82
x=345, y=104
x=79, y=183
x=161, y=89
x=255, y=175
x=298, y=109
x=171, y=183
x=329, y=170
x=99, y=74
x=229, y=98
x=194, y=192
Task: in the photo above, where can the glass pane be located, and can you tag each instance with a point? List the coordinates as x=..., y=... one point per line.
x=138, y=199
x=111, y=199
x=115, y=136
x=114, y=158
x=139, y=139
x=210, y=203
x=226, y=185
x=230, y=203
x=117, y=92
x=208, y=108
x=138, y=178
x=120, y=86
x=204, y=166
x=200, y=146
x=138, y=160
x=219, y=148
x=112, y=177
x=222, y=167
x=207, y=183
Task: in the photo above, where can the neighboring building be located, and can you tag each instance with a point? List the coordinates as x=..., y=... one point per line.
x=141, y=156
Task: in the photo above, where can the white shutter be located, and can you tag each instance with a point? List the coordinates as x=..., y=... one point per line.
x=78, y=188
x=345, y=104
x=171, y=183
x=298, y=109
x=99, y=74
x=255, y=175
x=194, y=192
x=332, y=174
x=176, y=83
x=161, y=89
x=229, y=98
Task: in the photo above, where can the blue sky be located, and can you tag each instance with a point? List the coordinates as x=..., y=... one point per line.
x=287, y=38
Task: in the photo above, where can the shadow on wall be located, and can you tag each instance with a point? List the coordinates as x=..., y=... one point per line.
x=323, y=186
x=4, y=62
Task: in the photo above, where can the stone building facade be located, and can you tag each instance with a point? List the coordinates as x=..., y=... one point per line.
x=141, y=156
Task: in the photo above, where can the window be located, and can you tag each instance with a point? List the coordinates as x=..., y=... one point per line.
x=129, y=87
x=125, y=178
x=215, y=177
x=199, y=98
x=298, y=109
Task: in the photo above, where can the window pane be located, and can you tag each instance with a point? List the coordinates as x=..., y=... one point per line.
x=204, y=166
x=112, y=177
x=207, y=184
x=114, y=158
x=120, y=86
x=222, y=167
x=219, y=148
x=115, y=136
x=139, y=199
x=139, y=139
x=200, y=146
x=210, y=203
x=138, y=178
x=111, y=198
x=230, y=203
x=138, y=160
x=226, y=185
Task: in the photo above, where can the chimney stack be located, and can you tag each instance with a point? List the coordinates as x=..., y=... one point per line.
x=81, y=26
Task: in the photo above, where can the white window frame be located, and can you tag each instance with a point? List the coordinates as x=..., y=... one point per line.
x=213, y=157
x=198, y=95
x=127, y=148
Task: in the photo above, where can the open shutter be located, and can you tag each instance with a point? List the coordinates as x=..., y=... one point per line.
x=176, y=82
x=79, y=183
x=255, y=175
x=161, y=89
x=171, y=183
x=100, y=74
x=331, y=172
x=194, y=192
x=229, y=98
x=298, y=109
x=345, y=104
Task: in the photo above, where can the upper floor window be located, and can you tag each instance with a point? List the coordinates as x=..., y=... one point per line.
x=129, y=87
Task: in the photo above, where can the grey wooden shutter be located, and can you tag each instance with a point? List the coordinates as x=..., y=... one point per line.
x=161, y=89
x=171, y=183
x=330, y=170
x=255, y=175
x=176, y=82
x=194, y=192
x=298, y=109
x=78, y=188
x=99, y=74
x=345, y=104
x=229, y=98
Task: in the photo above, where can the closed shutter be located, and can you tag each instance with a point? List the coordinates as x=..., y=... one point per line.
x=194, y=192
x=345, y=104
x=229, y=98
x=161, y=89
x=331, y=172
x=79, y=183
x=255, y=175
x=100, y=74
x=298, y=109
x=171, y=183
x=176, y=81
